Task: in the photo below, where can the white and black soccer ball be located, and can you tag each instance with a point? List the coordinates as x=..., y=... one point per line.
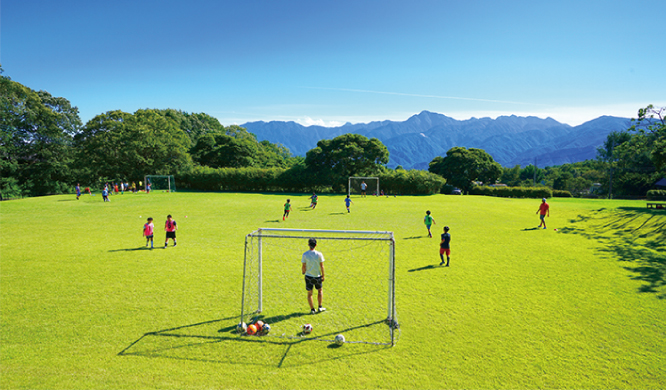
x=241, y=327
x=339, y=339
x=265, y=329
x=307, y=329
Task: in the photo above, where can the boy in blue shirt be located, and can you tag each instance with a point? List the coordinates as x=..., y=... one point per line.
x=348, y=201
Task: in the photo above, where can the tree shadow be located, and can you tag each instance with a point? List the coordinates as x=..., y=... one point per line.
x=631, y=235
x=198, y=342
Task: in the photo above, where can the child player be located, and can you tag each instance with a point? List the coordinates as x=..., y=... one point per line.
x=444, y=246
x=78, y=191
x=148, y=229
x=429, y=220
x=287, y=209
x=348, y=201
x=170, y=228
x=314, y=200
x=544, y=209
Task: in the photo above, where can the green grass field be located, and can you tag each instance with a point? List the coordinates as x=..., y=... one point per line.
x=84, y=306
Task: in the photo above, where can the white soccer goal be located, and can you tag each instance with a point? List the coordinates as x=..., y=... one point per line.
x=359, y=285
x=354, y=185
x=160, y=183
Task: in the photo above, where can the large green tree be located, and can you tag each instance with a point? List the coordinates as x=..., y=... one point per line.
x=36, y=132
x=334, y=161
x=461, y=167
x=118, y=145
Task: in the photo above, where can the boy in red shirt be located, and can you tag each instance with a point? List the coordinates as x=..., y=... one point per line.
x=544, y=210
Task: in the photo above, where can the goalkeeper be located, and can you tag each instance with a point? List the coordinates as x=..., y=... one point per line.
x=313, y=269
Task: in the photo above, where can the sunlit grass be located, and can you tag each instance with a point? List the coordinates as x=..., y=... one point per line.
x=84, y=305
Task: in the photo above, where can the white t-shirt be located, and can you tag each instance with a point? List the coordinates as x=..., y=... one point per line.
x=312, y=259
x=363, y=186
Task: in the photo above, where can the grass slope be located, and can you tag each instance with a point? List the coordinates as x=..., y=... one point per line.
x=84, y=306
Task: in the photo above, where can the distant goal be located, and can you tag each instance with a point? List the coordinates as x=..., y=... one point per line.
x=160, y=182
x=359, y=288
x=355, y=183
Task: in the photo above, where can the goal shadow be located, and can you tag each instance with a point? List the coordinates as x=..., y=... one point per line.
x=216, y=341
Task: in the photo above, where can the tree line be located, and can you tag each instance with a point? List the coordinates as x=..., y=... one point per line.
x=46, y=149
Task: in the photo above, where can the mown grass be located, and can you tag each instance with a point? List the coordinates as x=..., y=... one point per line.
x=84, y=306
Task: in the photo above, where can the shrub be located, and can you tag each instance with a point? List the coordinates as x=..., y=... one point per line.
x=562, y=194
x=412, y=182
x=513, y=192
x=656, y=195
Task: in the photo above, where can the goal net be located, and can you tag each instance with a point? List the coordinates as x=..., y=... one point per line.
x=161, y=183
x=355, y=185
x=358, y=289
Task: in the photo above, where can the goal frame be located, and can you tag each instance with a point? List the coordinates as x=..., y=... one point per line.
x=319, y=234
x=363, y=178
x=168, y=177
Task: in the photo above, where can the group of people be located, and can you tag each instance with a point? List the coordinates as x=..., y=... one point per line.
x=110, y=188
x=170, y=227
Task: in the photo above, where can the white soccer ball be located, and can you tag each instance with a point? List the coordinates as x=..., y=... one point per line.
x=265, y=329
x=339, y=339
x=307, y=329
x=241, y=327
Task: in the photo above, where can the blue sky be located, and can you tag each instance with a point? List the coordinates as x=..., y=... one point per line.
x=331, y=62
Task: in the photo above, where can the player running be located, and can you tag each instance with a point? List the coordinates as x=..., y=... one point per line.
x=429, y=221
x=348, y=201
x=287, y=209
x=314, y=198
x=78, y=191
x=445, y=246
x=544, y=209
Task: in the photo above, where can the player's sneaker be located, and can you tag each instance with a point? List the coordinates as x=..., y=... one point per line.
x=312, y=311
x=321, y=309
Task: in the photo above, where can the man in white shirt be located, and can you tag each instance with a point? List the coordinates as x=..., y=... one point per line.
x=313, y=269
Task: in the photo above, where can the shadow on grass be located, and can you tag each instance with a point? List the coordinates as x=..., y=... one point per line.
x=216, y=341
x=632, y=235
x=431, y=266
x=530, y=229
x=414, y=237
x=272, y=221
x=337, y=213
x=141, y=248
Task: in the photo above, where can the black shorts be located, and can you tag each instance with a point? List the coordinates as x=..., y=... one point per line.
x=171, y=235
x=312, y=282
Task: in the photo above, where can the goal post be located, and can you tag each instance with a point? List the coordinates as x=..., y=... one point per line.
x=160, y=182
x=358, y=289
x=354, y=185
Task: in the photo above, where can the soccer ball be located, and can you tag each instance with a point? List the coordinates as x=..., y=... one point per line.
x=252, y=329
x=307, y=329
x=339, y=339
x=259, y=325
x=266, y=328
x=241, y=327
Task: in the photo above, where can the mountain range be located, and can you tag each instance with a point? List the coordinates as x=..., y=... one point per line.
x=413, y=143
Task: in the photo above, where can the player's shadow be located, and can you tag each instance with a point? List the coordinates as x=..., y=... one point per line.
x=272, y=221
x=414, y=237
x=431, y=266
x=529, y=229
x=306, y=208
x=337, y=213
x=141, y=248
x=208, y=342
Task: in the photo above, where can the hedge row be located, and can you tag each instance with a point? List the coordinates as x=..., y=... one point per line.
x=513, y=192
x=656, y=195
x=298, y=179
x=562, y=194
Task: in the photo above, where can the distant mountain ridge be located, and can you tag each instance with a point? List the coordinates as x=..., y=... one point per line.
x=413, y=143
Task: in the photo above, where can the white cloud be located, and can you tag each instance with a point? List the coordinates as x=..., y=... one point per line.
x=307, y=121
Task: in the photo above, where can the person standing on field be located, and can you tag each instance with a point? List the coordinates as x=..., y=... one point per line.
x=429, y=220
x=78, y=191
x=363, y=188
x=313, y=269
x=445, y=246
x=170, y=228
x=543, y=211
x=148, y=228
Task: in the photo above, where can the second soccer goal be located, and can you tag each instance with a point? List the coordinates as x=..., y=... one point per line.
x=358, y=289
